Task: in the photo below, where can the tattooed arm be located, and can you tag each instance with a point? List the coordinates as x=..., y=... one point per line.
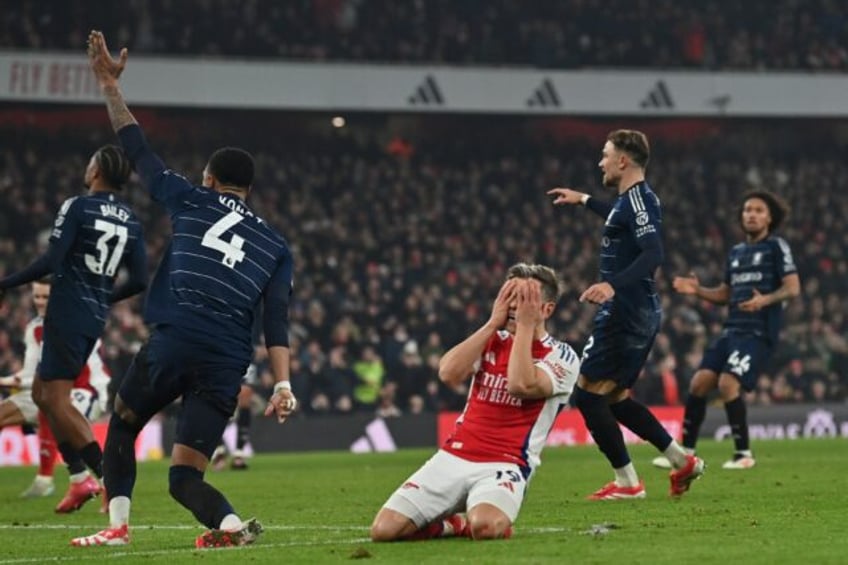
x=108, y=70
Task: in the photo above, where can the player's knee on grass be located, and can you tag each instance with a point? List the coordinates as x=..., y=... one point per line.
x=487, y=522
x=390, y=525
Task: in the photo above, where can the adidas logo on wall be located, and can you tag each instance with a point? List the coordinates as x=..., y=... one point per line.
x=658, y=97
x=544, y=96
x=427, y=93
x=377, y=438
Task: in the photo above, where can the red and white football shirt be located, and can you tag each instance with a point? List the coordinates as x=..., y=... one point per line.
x=496, y=426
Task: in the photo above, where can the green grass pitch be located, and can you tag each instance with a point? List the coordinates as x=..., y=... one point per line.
x=316, y=508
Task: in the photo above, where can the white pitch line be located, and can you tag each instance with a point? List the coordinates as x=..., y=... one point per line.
x=164, y=527
x=88, y=553
x=536, y=530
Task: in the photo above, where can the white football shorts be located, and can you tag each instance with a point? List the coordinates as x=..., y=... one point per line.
x=82, y=399
x=446, y=484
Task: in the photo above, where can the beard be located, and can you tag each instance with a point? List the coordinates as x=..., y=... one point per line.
x=611, y=181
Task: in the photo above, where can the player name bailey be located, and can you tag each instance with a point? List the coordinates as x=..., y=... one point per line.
x=112, y=211
x=235, y=206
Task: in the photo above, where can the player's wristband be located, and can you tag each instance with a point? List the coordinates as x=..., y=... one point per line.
x=282, y=385
x=584, y=199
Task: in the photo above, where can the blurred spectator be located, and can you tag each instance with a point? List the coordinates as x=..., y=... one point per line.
x=388, y=250
x=715, y=34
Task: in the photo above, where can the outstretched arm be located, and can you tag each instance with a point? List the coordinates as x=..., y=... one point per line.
x=458, y=363
x=108, y=70
x=574, y=197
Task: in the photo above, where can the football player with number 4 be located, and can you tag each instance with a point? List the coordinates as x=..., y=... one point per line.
x=221, y=262
x=760, y=275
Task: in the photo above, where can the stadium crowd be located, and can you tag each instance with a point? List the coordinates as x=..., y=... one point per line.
x=400, y=251
x=713, y=34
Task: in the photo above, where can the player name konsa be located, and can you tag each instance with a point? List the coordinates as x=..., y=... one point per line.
x=493, y=389
x=234, y=205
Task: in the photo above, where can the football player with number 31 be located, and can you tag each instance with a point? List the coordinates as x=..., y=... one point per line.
x=223, y=260
x=93, y=235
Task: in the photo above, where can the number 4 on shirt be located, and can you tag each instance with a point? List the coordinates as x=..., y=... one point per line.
x=231, y=249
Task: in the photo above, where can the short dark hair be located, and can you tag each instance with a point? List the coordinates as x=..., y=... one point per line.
x=115, y=166
x=778, y=207
x=550, y=282
x=634, y=143
x=232, y=166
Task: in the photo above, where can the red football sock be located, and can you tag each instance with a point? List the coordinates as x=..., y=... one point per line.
x=452, y=526
x=47, y=451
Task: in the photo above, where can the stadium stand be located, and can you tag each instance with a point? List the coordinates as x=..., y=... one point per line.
x=713, y=34
x=400, y=251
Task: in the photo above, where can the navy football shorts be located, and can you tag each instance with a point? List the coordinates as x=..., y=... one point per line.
x=741, y=355
x=615, y=354
x=63, y=355
x=165, y=369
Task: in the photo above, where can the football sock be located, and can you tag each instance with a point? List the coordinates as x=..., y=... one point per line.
x=455, y=525
x=203, y=500
x=74, y=461
x=119, y=511
x=638, y=419
x=230, y=522
x=626, y=476
x=47, y=450
x=676, y=455
x=93, y=457
x=696, y=409
x=119, y=458
x=603, y=427
x=737, y=418
x=243, y=425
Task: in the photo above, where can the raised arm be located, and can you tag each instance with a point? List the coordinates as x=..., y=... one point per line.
x=458, y=363
x=163, y=185
x=524, y=378
x=108, y=70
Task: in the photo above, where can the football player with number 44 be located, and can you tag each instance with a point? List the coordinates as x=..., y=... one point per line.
x=223, y=260
x=760, y=275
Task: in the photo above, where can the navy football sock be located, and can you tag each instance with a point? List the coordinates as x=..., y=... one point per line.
x=72, y=458
x=696, y=410
x=738, y=420
x=243, y=424
x=74, y=462
x=639, y=420
x=203, y=500
x=603, y=427
x=93, y=457
x=119, y=458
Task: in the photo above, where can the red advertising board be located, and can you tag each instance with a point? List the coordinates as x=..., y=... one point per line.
x=19, y=449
